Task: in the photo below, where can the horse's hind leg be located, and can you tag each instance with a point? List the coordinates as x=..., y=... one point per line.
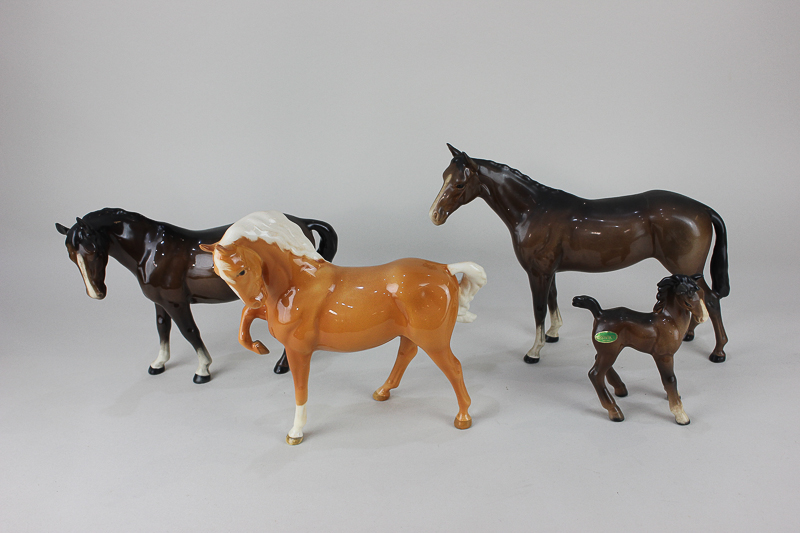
x=163, y=324
x=451, y=367
x=185, y=322
x=711, y=300
x=555, y=315
x=597, y=375
x=666, y=369
x=405, y=354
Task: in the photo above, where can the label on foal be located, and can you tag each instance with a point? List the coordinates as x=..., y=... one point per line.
x=605, y=336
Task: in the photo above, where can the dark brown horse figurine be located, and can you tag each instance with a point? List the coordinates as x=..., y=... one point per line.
x=658, y=333
x=554, y=231
x=171, y=269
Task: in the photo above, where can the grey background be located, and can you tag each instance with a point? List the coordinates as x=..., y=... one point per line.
x=198, y=113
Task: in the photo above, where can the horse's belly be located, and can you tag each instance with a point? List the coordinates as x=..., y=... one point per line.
x=607, y=247
x=343, y=330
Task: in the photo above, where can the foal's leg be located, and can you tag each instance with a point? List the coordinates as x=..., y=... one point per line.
x=665, y=368
x=451, y=367
x=540, y=286
x=711, y=300
x=300, y=364
x=185, y=322
x=163, y=324
x=555, y=315
x=603, y=362
x=615, y=381
x=405, y=354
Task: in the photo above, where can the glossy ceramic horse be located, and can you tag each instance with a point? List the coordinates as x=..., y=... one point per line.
x=554, y=231
x=311, y=304
x=171, y=269
x=658, y=333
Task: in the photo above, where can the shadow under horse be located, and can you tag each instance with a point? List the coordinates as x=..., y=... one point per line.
x=555, y=231
x=172, y=271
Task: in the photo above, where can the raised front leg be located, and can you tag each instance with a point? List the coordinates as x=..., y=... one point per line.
x=299, y=364
x=540, y=287
x=555, y=315
x=405, y=354
x=665, y=366
x=183, y=318
x=163, y=324
x=711, y=300
x=248, y=315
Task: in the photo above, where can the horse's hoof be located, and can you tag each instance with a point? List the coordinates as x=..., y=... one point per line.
x=280, y=369
x=530, y=360
x=689, y=336
x=621, y=393
x=380, y=395
x=294, y=441
x=548, y=338
x=616, y=417
x=681, y=423
x=716, y=358
x=201, y=379
x=155, y=371
x=463, y=424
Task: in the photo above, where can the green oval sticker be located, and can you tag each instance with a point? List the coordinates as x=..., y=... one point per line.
x=605, y=336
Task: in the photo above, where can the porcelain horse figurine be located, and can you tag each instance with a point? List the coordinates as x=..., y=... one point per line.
x=554, y=231
x=311, y=304
x=171, y=269
x=658, y=333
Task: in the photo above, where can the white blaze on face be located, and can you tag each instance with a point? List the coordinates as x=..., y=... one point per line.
x=90, y=288
x=432, y=211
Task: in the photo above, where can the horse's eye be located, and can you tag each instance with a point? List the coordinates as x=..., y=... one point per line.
x=241, y=273
x=460, y=186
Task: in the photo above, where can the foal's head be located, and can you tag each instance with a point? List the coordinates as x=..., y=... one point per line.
x=461, y=186
x=684, y=292
x=88, y=248
x=240, y=268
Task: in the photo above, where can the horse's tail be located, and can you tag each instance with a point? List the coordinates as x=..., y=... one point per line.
x=720, y=283
x=328, y=240
x=587, y=302
x=473, y=279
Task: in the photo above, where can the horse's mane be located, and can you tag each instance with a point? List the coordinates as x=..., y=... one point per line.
x=272, y=227
x=679, y=284
x=514, y=173
x=109, y=215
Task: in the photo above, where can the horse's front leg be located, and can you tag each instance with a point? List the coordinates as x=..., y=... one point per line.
x=163, y=324
x=555, y=314
x=540, y=286
x=665, y=366
x=248, y=315
x=185, y=321
x=299, y=363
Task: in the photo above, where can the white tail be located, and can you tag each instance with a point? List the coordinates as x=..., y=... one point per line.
x=473, y=279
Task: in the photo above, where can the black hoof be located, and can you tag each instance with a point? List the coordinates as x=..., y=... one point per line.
x=548, y=338
x=530, y=360
x=201, y=379
x=280, y=369
x=155, y=371
x=716, y=358
x=689, y=336
x=621, y=394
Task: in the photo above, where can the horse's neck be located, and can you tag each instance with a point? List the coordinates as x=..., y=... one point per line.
x=128, y=246
x=679, y=314
x=280, y=271
x=510, y=196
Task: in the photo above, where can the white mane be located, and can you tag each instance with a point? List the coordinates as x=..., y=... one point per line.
x=274, y=228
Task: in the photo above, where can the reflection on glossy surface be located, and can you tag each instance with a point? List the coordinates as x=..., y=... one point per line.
x=554, y=231
x=172, y=270
x=311, y=304
x=658, y=333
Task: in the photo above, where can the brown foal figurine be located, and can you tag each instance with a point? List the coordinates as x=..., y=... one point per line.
x=658, y=333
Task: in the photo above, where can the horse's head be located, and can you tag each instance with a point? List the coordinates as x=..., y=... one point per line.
x=685, y=292
x=461, y=186
x=88, y=248
x=240, y=268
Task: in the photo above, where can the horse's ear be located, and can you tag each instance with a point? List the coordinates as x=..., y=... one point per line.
x=470, y=163
x=62, y=229
x=208, y=248
x=453, y=150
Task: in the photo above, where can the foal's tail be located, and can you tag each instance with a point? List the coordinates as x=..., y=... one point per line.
x=328, y=240
x=587, y=302
x=473, y=279
x=720, y=283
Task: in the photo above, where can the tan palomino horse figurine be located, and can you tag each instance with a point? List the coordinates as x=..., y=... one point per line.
x=311, y=304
